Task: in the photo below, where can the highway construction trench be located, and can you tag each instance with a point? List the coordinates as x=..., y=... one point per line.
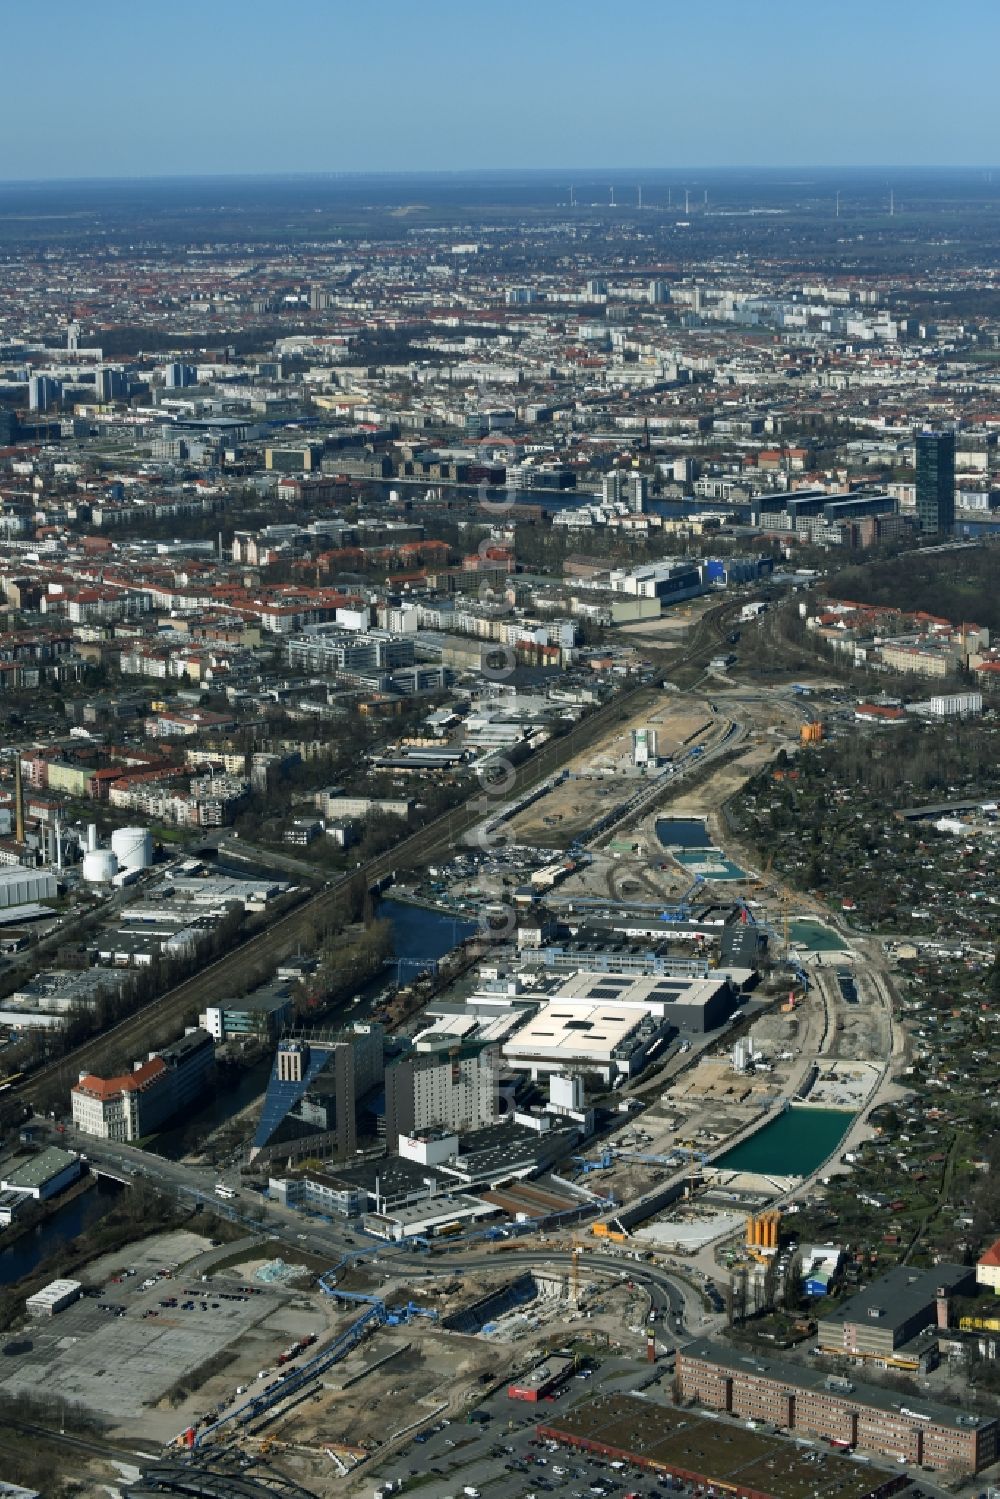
x=156, y=1369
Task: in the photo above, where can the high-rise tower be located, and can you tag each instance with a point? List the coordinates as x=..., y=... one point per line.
x=936, y=482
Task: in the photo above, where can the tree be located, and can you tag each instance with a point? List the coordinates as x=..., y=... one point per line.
x=993, y=977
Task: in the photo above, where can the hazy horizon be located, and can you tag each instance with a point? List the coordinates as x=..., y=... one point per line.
x=236, y=89
x=625, y=170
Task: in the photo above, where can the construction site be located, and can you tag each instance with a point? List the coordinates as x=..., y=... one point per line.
x=738, y=1126
x=190, y=1349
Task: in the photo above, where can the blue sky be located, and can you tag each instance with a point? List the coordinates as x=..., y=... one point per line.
x=133, y=88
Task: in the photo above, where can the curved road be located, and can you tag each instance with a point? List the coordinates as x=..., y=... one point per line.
x=281, y=936
x=667, y=1293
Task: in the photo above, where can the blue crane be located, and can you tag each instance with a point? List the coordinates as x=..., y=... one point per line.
x=288, y=1383
x=587, y=1166
x=408, y=1312
x=681, y=911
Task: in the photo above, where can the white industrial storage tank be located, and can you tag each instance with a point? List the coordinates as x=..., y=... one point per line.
x=133, y=848
x=100, y=865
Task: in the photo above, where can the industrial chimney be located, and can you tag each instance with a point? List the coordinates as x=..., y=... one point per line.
x=18, y=801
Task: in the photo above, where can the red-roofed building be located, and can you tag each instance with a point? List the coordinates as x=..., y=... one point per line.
x=988, y=1267
x=876, y=713
x=112, y=1107
x=138, y=1102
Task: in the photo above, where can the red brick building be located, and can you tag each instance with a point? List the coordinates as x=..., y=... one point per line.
x=846, y=1414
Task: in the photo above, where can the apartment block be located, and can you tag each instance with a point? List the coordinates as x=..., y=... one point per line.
x=906, y=1429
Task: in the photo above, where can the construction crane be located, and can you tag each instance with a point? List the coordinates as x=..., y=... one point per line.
x=587, y=1166
x=574, y=1273
x=693, y=1153
x=650, y=1160
x=400, y=1314
x=681, y=910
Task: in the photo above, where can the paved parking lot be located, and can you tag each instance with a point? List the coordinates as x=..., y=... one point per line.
x=115, y=1361
x=504, y=1459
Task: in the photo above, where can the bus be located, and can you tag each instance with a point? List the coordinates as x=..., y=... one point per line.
x=221, y=1190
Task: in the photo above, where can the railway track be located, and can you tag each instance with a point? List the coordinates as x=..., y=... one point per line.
x=283, y=935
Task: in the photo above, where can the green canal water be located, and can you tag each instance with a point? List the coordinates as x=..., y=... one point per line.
x=816, y=936
x=794, y=1144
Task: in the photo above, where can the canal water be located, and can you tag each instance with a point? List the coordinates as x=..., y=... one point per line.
x=687, y=839
x=419, y=937
x=682, y=832
x=710, y=863
x=794, y=1144
x=816, y=936
x=64, y=1224
x=224, y=1104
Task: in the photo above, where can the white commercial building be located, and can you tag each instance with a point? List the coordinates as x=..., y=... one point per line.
x=19, y=887
x=605, y=1038
x=53, y=1298
x=957, y=704
x=611, y=1024
x=44, y=1175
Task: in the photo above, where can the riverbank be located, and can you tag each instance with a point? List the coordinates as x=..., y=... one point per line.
x=422, y=934
x=21, y=1227
x=423, y=903
x=47, y=1241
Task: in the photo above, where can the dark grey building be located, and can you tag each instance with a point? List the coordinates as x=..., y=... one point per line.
x=936, y=482
x=189, y=1063
x=893, y=1309
x=317, y=1086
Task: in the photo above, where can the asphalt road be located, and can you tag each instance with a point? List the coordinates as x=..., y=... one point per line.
x=417, y=849
x=670, y=1296
x=282, y=935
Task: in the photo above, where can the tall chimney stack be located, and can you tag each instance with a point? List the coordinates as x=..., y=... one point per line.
x=18, y=801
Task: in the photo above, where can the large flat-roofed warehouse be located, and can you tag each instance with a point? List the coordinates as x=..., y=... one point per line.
x=53, y=1298
x=892, y=1310
x=694, y=1005
x=742, y=1463
x=705, y=924
x=902, y=1428
x=44, y=1175
x=19, y=887
x=586, y=1035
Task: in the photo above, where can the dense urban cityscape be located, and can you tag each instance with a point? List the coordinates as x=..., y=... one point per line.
x=499, y=785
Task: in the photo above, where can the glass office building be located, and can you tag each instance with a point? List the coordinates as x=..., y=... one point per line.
x=936, y=482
